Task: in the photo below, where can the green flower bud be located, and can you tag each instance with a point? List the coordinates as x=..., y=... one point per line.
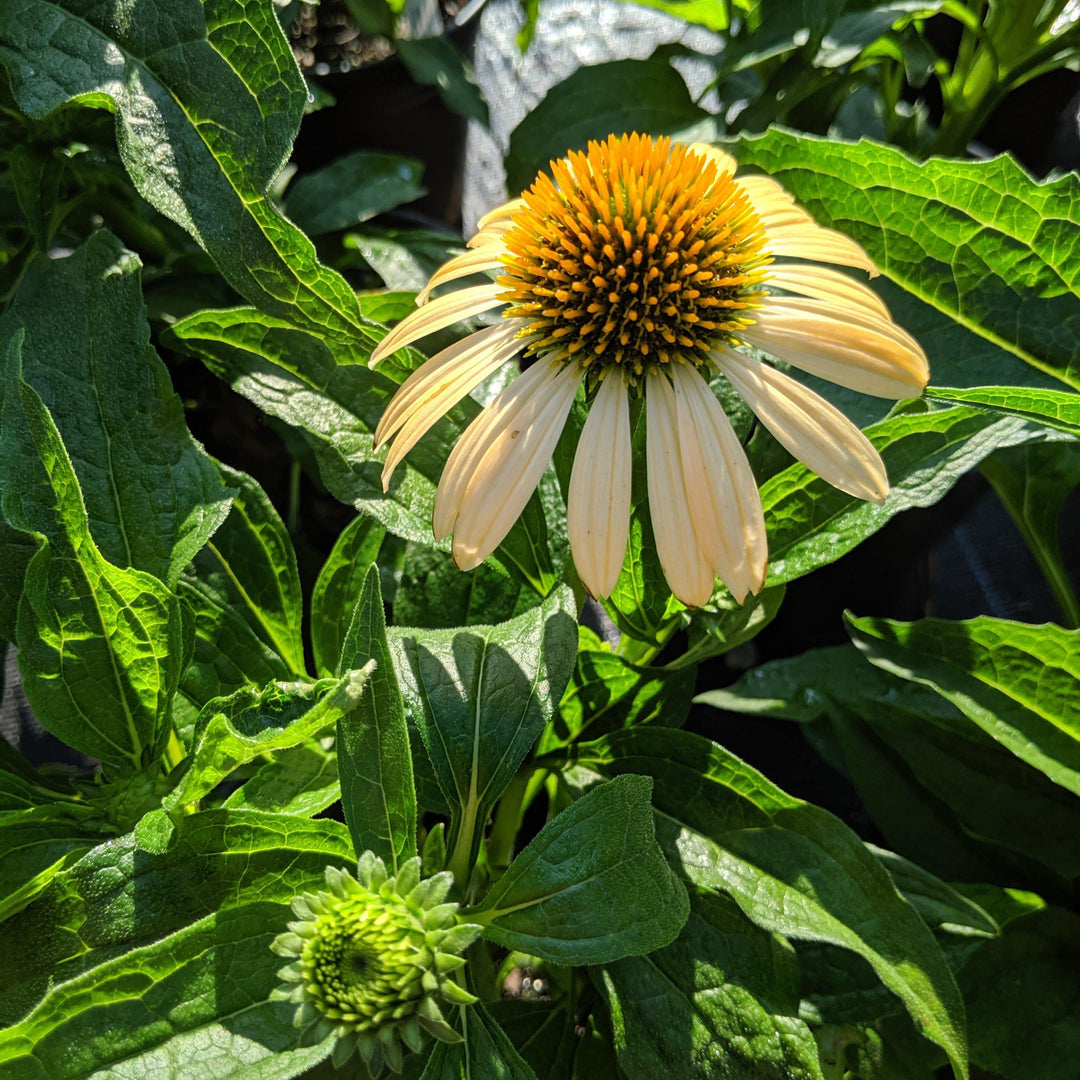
x=372, y=959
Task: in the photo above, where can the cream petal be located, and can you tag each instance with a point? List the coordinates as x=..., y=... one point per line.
x=509, y=471
x=872, y=358
x=472, y=262
x=493, y=234
x=444, y=366
x=725, y=506
x=685, y=567
x=437, y=315
x=807, y=240
x=770, y=199
x=825, y=284
x=470, y=449
x=812, y=429
x=500, y=214
x=725, y=163
x=436, y=387
x=598, y=502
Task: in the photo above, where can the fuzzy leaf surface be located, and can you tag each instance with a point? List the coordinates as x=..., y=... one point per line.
x=592, y=886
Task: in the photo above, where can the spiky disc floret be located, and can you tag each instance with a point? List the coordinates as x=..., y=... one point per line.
x=634, y=253
x=371, y=960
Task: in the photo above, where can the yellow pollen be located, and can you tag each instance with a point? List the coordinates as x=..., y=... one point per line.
x=635, y=245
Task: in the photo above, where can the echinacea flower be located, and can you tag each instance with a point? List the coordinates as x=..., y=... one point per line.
x=639, y=268
x=372, y=962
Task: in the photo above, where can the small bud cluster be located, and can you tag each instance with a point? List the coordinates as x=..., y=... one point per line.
x=371, y=961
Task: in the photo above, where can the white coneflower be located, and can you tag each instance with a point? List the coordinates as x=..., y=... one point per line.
x=639, y=268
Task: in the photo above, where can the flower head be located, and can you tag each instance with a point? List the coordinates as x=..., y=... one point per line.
x=371, y=958
x=642, y=268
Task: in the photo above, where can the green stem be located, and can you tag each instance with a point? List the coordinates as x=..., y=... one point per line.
x=174, y=751
x=504, y=829
x=460, y=861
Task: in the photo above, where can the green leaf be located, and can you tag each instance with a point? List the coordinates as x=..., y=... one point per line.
x=1034, y=482
x=1016, y=682
x=480, y=697
x=374, y=760
x=145, y=887
x=207, y=103
x=153, y=497
x=18, y=549
x=721, y=1001
x=352, y=189
x=810, y=523
x=434, y=61
x=981, y=244
x=1023, y=998
x=622, y=95
x=36, y=841
x=607, y=692
x=100, y=648
x=301, y=780
x=941, y=906
x=194, y=1004
x=240, y=728
x=1058, y=409
x=485, y=1051
x=935, y=784
x=592, y=886
x=336, y=401
x=249, y=568
x=433, y=592
x=338, y=588
x=791, y=867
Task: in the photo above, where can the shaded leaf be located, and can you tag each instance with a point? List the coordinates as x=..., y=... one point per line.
x=374, y=760
x=481, y=696
x=592, y=886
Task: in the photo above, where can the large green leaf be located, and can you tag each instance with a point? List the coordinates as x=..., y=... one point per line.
x=1018, y=683
x=335, y=401
x=250, y=723
x=721, y=1000
x=152, y=496
x=622, y=95
x=791, y=867
x=480, y=697
x=592, y=886
x=152, y=953
x=374, y=760
x=337, y=589
x=811, y=523
x=937, y=786
x=982, y=245
x=1055, y=408
x=249, y=569
x=100, y=648
x=207, y=102
x=158, y=880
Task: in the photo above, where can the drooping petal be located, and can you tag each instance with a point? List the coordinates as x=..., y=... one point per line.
x=507, y=474
x=436, y=315
x=598, y=503
x=793, y=237
x=500, y=214
x=873, y=356
x=821, y=283
x=685, y=566
x=725, y=507
x=438, y=385
x=808, y=426
x=471, y=262
x=769, y=198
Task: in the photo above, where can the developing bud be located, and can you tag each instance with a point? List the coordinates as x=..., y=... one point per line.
x=370, y=959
